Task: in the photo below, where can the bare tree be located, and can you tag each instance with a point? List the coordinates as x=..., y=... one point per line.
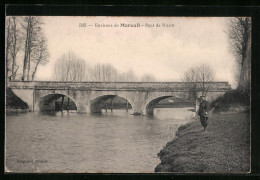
x=205, y=77
x=130, y=76
x=69, y=67
x=239, y=34
x=198, y=79
x=33, y=32
x=26, y=29
x=13, y=42
x=109, y=73
x=148, y=78
x=41, y=55
x=14, y=46
x=104, y=73
x=96, y=74
x=190, y=78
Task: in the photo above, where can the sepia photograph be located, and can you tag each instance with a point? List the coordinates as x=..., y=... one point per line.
x=127, y=94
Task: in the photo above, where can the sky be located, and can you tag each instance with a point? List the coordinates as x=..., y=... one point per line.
x=165, y=52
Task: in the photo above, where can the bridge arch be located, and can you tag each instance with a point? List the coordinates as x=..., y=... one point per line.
x=47, y=101
x=96, y=102
x=153, y=101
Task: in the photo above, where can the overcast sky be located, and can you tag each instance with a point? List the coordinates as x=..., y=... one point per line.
x=165, y=52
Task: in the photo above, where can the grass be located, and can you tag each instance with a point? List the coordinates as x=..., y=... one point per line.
x=225, y=148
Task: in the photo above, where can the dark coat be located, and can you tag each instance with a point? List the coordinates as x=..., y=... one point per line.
x=204, y=107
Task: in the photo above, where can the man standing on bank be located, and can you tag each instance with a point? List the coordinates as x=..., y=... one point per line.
x=203, y=112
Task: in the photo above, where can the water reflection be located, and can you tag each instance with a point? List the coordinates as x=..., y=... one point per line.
x=71, y=142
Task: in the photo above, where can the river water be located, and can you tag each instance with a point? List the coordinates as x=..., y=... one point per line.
x=71, y=142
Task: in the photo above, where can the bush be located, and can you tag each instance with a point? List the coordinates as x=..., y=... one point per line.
x=237, y=97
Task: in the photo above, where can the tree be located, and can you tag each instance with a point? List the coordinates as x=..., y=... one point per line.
x=205, y=77
x=32, y=38
x=96, y=74
x=14, y=46
x=41, y=55
x=239, y=35
x=109, y=72
x=69, y=67
x=27, y=32
x=130, y=76
x=13, y=42
x=190, y=79
x=148, y=78
x=198, y=79
x=104, y=73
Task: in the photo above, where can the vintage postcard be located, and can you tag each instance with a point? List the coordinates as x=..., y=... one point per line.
x=127, y=94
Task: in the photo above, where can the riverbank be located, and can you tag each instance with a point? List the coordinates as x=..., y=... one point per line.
x=225, y=148
x=13, y=103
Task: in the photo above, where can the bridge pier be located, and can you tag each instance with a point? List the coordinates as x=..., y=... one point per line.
x=82, y=109
x=137, y=110
x=149, y=111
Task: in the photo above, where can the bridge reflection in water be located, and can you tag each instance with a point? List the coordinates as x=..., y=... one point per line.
x=91, y=97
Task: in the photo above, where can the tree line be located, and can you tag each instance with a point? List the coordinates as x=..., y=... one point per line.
x=70, y=67
x=26, y=47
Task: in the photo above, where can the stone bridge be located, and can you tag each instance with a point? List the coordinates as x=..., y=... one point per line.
x=88, y=96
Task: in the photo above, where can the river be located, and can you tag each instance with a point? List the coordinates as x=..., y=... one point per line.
x=112, y=142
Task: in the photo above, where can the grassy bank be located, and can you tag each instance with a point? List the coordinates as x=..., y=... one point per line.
x=224, y=148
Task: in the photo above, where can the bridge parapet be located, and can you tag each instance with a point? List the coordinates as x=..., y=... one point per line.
x=128, y=86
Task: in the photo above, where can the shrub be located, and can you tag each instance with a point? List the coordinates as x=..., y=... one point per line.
x=237, y=97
